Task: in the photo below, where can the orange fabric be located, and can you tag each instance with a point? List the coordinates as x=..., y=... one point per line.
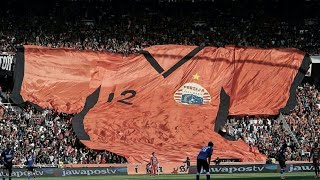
x=61, y=79
x=157, y=121
x=276, y=70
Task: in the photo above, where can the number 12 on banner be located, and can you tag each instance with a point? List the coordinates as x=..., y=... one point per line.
x=131, y=93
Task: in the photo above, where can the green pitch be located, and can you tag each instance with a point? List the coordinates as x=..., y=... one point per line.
x=267, y=176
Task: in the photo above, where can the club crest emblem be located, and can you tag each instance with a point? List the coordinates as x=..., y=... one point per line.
x=192, y=93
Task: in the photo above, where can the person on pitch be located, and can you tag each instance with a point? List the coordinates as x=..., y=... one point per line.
x=154, y=164
x=30, y=160
x=315, y=155
x=6, y=158
x=203, y=160
x=282, y=159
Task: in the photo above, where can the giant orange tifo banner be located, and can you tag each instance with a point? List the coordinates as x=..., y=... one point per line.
x=168, y=99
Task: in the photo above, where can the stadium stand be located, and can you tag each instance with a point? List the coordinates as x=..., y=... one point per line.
x=106, y=27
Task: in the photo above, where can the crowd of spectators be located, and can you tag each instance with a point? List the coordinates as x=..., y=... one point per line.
x=132, y=27
x=268, y=134
x=102, y=27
